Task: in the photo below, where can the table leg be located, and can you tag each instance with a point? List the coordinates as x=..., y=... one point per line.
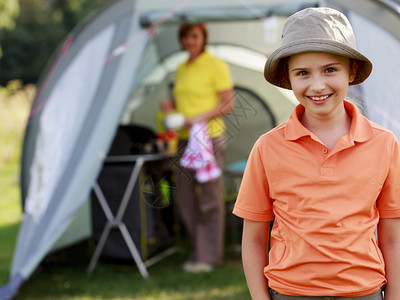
x=134, y=252
x=99, y=247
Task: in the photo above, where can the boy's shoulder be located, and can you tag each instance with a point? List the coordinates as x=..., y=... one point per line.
x=275, y=133
x=378, y=129
x=277, y=130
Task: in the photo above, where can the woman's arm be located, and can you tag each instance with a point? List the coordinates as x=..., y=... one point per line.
x=226, y=105
x=389, y=243
x=255, y=257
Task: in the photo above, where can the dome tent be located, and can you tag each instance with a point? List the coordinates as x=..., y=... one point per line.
x=117, y=65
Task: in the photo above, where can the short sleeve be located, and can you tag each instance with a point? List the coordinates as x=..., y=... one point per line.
x=389, y=199
x=222, y=76
x=253, y=202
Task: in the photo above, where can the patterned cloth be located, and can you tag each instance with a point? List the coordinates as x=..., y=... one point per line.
x=199, y=154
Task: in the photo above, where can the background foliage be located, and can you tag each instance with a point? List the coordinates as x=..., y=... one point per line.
x=8, y=10
x=31, y=30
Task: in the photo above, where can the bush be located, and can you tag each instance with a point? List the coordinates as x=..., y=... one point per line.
x=39, y=28
x=15, y=101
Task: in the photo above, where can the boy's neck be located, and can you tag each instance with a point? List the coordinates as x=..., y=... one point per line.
x=328, y=129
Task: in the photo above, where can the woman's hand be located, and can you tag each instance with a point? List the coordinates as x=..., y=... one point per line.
x=197, y=119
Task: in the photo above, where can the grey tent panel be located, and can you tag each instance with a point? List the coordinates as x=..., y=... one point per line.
x=89, y=112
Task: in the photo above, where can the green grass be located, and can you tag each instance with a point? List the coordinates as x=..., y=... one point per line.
x=14, y=105
x=68, y=280
x=63, y=276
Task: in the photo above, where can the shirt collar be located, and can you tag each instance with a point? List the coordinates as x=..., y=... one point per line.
x=201, y=57
x=360, y=129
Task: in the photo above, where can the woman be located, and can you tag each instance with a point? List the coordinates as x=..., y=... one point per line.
x=203, y=92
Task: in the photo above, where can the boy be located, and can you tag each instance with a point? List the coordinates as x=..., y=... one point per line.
x=328, y=177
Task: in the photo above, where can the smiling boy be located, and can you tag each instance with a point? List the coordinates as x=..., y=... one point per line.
x=328, y=177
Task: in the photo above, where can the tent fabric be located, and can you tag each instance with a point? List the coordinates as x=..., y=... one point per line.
x=70, y=124
x=384, y=13
x=72, y=134
x=116, y=67
x=381, y=89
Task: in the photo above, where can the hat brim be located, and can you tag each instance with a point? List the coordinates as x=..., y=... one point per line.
x=271, y=69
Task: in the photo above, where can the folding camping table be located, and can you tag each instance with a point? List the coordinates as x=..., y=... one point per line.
x=116, y=221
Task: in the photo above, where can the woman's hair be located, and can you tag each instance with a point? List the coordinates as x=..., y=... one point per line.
x=186, y=27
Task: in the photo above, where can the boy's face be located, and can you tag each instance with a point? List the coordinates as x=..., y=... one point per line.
x=320, y=81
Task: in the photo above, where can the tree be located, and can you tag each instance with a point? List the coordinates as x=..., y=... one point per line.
x=8, y=11
x=40, y=27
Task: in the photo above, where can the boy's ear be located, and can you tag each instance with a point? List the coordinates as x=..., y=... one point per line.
x=353, y=70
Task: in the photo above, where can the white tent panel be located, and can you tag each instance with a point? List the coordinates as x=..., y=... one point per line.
x=79, y=229
x=62, y=120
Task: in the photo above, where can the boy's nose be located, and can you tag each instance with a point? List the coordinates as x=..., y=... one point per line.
x=318, y=84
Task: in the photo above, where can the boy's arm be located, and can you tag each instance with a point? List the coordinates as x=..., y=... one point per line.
x=389, y=243
x=255, y=257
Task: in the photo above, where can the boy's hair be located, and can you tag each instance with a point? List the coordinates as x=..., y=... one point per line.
x=283, y=72
x=186, y=27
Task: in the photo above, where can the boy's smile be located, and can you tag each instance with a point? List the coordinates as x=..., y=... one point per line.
x=319, y=99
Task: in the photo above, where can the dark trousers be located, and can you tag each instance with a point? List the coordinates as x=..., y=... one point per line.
x=276, y=296
x=202, y=209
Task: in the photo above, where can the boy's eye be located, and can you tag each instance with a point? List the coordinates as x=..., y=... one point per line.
x=302, y=73
x=330, y=70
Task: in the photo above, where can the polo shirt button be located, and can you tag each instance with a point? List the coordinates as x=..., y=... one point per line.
x=325, y=151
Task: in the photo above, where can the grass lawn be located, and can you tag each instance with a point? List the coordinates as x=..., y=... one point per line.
x=63, y=276
x=67, y=279
x=13, y=115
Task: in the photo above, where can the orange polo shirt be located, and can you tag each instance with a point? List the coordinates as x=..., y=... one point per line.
x=326, y=205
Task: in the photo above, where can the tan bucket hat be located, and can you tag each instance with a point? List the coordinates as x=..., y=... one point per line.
x=316, y=30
